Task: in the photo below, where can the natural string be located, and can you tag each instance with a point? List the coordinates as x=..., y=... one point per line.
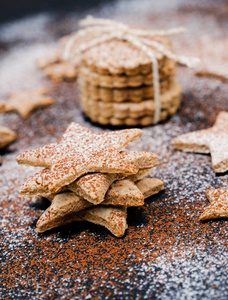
x=108, y=30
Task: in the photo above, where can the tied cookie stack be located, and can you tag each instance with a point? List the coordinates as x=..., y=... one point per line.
x=120, y=78
x=89, y=177
x=126, y=75
x=123, y=94
x=125, y=79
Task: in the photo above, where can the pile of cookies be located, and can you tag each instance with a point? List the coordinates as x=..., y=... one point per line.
x=125, y=97
x=120, y=83
x=116, y=85
x=87, y=176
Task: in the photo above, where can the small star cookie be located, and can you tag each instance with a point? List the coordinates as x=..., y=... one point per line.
x=213, y=140
x=7, y=136
x=26, y=101
x=60, y=71
x=80, y=151
x=218, y=207
x=214, y=60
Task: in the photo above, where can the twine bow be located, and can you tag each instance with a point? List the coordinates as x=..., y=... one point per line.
x=108, y=30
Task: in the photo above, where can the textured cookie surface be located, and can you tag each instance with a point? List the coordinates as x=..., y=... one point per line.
x=7, y=136
x=80, y=151
x=91, y=187
x=132, y=114
x=213, y=140
x=123, y=81
x=121, y=94
x=218, y=207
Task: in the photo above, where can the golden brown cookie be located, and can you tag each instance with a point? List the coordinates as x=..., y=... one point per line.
x=68, y=207
x=212, y=52
x=132, y=110
x=121, y=94
x=86, y=152
x=118, y=56
x=150, y=186
x=213, y=140
x=124, y=192
x=218, y=207
x=132, y=114
x=114, y=218
x=123, y=81
x=63, y=70
x=7, y=136
x=52, y=56
x=91, y=187
x=26, y=101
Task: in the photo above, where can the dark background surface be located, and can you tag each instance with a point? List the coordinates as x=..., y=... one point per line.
x=11, y=9
x=167, y=252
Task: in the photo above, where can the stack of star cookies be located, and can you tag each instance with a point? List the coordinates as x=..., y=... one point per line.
x=117, y=87
x=88, y=176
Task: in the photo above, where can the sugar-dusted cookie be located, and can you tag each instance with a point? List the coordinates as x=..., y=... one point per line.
x=122, y=81
x=213, y=55
x=114, y=218
x=130, y=94
x=218, y=207
x=88, y=176
x=125, y=192
x=97, y=108
x=150, y=186
x=7, y=136
x=213, y=140
x=68, y=207
x=121, y=118
x=26, y=101
x=93, y=186
x=59, y=71
x=52, y=56
x=80, y=151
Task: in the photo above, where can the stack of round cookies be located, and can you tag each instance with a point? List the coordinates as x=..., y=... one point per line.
x=125, y=74
x=116, y=83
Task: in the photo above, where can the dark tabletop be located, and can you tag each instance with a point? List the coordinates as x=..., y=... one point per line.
x=167, y=252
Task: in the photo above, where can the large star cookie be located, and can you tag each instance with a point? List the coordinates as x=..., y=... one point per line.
x=26, y=101
x=92, y=186
x=218, y=207
x=80, y=151
x=213, y=140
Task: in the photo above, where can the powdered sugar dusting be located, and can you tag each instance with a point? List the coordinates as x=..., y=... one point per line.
x=20, y=61
x=80, y=151
x=167, y=252
x=213, y=140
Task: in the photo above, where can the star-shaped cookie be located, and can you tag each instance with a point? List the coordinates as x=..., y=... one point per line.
x=26, y=101
x=60, y=71
x=69, y=207
x=93, y=186
x=7, y=136
x=213, y=140
x=218, y=207
x=81, y=151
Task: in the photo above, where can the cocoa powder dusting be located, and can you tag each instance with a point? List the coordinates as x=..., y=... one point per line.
x=167, y=252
